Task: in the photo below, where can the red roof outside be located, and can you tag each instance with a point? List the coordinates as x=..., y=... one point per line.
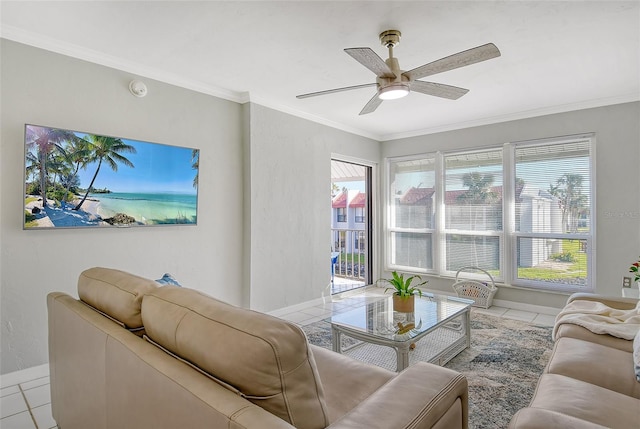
x=359, y=200
x=417, y=196
x=340, y=201
x=422, y=196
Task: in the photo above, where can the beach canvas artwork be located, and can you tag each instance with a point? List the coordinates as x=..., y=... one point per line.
x=77, y=179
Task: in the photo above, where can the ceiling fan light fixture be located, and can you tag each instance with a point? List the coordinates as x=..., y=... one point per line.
x=393, y=92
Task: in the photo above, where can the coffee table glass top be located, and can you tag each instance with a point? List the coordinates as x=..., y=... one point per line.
x=378, y=319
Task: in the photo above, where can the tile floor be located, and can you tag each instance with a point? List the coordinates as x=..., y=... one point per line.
x=26, y=404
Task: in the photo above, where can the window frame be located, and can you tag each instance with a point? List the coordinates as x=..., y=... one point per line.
x=500, y=234
x=508, y=236
x=515, y=235
x=390, y=230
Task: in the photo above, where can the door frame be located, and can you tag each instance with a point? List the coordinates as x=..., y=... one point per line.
x=372, y=213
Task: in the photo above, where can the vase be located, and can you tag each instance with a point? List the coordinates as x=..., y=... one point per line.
x=404, y=304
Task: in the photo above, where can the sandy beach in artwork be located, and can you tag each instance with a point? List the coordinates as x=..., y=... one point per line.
x=64, y=216
x=112, y=209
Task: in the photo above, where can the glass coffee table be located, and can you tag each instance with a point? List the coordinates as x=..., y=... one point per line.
x=435, y=332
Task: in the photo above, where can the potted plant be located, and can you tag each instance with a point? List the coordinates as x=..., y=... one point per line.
x=403, y=292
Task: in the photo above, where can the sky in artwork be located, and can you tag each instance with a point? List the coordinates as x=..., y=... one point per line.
x=158, y=168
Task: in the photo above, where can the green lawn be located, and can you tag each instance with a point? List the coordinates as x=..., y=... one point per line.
x=573, y=270
x=358, y=258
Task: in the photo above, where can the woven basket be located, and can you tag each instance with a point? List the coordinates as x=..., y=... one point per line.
x=480, y=292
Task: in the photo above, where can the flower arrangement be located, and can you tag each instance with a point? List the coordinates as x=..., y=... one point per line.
x=634, y=269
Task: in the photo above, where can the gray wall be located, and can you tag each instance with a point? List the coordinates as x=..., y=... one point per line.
x=290, y=210
x=44, y=88
x=617, y=163
x=262, y=238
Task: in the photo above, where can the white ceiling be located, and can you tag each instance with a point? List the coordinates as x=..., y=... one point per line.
x=556, y=56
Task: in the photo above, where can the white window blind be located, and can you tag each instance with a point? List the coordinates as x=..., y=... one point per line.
x=473, y=198
x=552, y=216
x=411, y=199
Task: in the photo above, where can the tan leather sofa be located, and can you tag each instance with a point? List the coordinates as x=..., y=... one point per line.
x=130, y=354
x=589, y=381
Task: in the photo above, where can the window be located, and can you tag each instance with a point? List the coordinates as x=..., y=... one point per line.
x=552, y=213
x=360, y=216
x=473, y=211
x=341, y=214
x=412, y=191
x=521, y=211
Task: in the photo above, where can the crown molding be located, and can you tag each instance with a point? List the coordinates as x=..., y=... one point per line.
x=47, y=43
x=256, y=99
x=551, y=110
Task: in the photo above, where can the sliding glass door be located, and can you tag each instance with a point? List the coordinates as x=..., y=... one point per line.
x=351, y=213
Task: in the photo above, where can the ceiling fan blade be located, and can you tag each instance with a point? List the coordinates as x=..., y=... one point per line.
x=368, y=58
x=438, y=89
x=371, y=105
x=461, y=59
x=331, y=91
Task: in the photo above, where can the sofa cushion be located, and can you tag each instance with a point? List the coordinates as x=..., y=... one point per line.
x=265, y=358
x=575, y=331
x=595, y=364
x=115, y=293
x=586, y=401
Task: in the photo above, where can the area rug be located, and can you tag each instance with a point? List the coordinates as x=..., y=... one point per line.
x=502, y=366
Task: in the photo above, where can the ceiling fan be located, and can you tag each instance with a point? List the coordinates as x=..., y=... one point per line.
x=394, y=83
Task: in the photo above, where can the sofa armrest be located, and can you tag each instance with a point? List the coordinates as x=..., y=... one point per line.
x=618, y=302
x=347, y=381
x=419, y=397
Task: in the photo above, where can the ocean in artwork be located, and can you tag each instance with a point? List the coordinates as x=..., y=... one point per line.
x=149, y=208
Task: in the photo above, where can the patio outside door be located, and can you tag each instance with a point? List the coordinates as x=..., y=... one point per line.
x=350, y=225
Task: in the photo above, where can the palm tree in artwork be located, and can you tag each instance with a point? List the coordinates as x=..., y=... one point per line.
x=45, y=140
x=107, y=150
x=77, y=156
x=195, y=164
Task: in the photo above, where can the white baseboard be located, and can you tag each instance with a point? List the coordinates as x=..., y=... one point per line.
x=297, y=307
x=317, y=301
x=552, y=311
x=24, y=375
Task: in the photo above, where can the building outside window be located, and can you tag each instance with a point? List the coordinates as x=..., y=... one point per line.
x=350, y=209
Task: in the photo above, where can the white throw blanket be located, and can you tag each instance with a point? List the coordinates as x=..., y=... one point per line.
x=600, y=319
